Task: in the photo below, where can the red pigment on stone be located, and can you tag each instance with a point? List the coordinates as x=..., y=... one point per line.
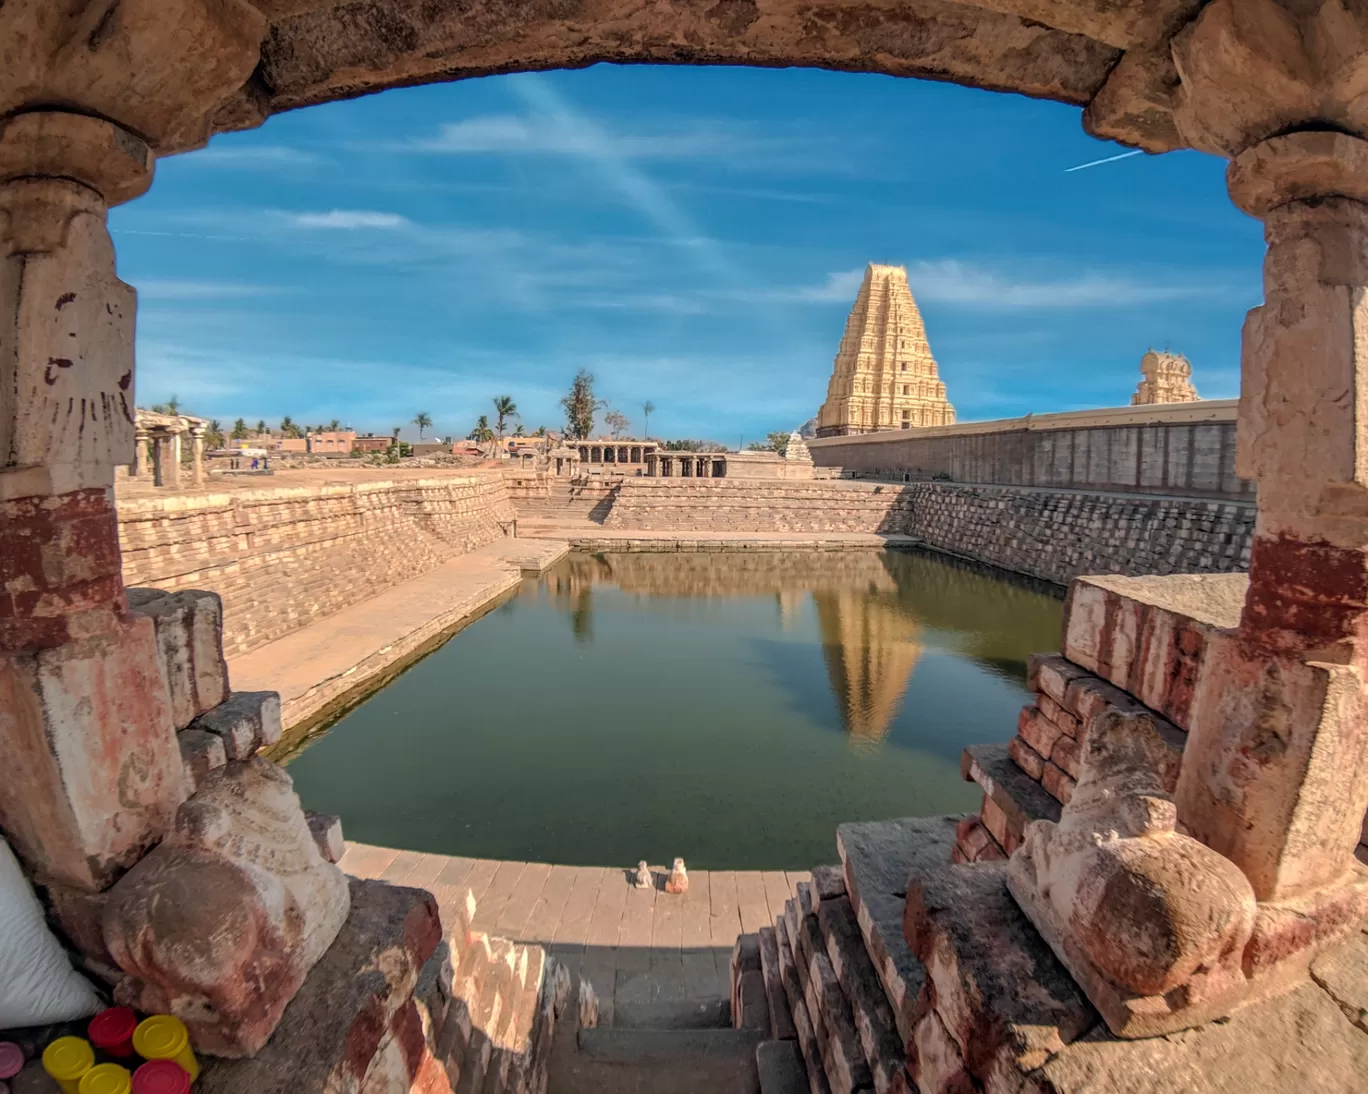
x=1304, y=595
x=59, y=556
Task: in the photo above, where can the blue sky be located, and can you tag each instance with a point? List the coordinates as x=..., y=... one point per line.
x=691, y=236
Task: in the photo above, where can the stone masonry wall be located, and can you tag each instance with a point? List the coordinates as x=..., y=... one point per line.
x=1187, y=450
x=281, y=558
x=1055, y=535
x=1059, y=535
x=760, y=505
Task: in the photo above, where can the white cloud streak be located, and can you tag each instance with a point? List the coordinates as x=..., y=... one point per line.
x=351, y=220
x=956, y=283
x=250, y=157
x=153, y=288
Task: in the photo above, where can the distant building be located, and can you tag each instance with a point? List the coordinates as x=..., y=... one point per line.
x=1168, y=379
x=884, y=376
x=331, y=443
x=371, y=443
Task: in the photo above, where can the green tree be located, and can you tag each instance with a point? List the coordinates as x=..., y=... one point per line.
x=423, y=421
x=773, y=442
x=213, y=436
x=173, y=405
x=261, y=425
x=334, y=426
x=288, y=427
x=481, y=434
x=617, y=423
x=541, y=431
x=504, y=408
x=239, y=430
x=581, y=406
x=519, y=432
x=647, y=409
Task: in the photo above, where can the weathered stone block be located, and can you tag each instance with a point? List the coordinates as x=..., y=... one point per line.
x=1052, y=710
x=222, y=922
x=93, y=773
x=934, y=1059
x=335, y=1025
x=79, y=912
x=190, y=643
x=202, y=753
x=1037, y=730
x=1026, y=758
x=1057, y=783
x=1147, y=635
x=327, y=835
x=979, y=949
x=245, y=722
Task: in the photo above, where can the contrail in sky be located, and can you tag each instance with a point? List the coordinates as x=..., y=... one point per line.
x=1109, y=159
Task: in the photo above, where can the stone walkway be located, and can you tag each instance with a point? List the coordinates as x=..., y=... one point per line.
x=653, y=958
x=322, y=665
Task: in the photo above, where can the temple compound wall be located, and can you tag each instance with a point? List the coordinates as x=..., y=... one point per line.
x=282, y=558
x=1186, y=449
x=1054, y=535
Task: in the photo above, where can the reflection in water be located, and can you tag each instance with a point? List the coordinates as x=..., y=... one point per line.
x=870, y=648
x=704, y=704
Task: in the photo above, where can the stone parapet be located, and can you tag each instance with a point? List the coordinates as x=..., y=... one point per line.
x=281, y=558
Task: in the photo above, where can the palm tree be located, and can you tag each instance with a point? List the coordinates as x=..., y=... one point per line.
x=288, y=427
x=335, y=425
x=173, y=405
x=541, y=431
x=423, y=421
x=519, y=431
x=482, y=434
x=240, y=430
x=647, y=409
x=504, y=408
x=214, y=434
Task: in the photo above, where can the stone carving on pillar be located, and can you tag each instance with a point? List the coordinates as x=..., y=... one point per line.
x=1274, y=777
x=221, y=923
x=1138, y=909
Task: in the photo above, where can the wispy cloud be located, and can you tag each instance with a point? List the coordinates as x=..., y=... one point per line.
x=153, y=288
x=251, y=156
x=351, y=220
x=952, y=282
x=549, y=134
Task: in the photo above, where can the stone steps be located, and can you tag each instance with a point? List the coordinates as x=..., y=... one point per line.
x=813, y=983
x=490, y=1009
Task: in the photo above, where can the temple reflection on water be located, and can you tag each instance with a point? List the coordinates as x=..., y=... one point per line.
x=874, y=610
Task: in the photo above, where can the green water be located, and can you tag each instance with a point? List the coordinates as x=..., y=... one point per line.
x=730, y=708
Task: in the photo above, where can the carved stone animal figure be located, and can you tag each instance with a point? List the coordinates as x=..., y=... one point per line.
x=220, y=924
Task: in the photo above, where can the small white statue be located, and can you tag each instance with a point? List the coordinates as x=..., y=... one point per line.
x=678, y=881
x=643, y=876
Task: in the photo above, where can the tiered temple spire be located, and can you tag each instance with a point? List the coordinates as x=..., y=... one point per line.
x=1168, y=379
x=884, y=376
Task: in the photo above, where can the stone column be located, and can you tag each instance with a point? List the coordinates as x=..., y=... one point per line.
x=140, y=440
x=92, y=770
x=1278, y=776
x=197, y=455
x=171, y=465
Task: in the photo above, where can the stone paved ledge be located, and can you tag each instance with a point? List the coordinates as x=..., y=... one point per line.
x=652, y=957
x=321, y=667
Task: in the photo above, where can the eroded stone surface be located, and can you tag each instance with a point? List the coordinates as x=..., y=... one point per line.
x=1130, y=906
x=222, y=922
x=190, y=643
x=244, y=722
x=333, y=1028
x=93, y=772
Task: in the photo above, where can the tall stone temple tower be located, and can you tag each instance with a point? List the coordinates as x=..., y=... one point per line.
x=1168, y=379
x=885, y=376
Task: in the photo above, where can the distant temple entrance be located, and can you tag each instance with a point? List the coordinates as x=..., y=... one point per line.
x=884, y=376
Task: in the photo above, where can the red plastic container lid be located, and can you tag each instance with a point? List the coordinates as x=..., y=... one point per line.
x=113, y=1027
x=11, y=1059
x=161, y=1077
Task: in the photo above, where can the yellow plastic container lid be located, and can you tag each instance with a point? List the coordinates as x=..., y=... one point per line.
x=68, y=1058
x=107, y=1079
x=161, y=1037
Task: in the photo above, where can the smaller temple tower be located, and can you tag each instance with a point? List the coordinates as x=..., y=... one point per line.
x=1168, y=379
x=884, y=376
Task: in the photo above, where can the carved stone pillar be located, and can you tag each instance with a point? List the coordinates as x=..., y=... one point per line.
x=92, y=770
x=140, y=441
x=197, y=455
x=1145, y=908
x=171, y=464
